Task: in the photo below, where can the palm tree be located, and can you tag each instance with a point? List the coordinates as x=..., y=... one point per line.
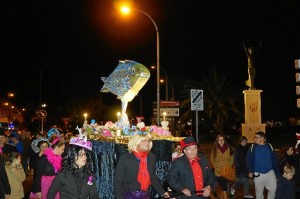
x=222, y=100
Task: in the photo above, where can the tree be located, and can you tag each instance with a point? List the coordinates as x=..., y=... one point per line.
x=222, y=100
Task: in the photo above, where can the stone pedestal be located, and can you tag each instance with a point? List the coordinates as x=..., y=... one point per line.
x=253, y=123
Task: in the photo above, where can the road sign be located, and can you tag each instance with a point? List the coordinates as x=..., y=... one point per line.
x=164, y=103
x=171, y=112
x=42, y=114
x=196, y=100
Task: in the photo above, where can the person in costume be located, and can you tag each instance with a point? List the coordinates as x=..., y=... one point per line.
x=135, y=172
x=47, y=167
x=38, y=146
x=191, y=173
x=16, y=175
x=76, y=180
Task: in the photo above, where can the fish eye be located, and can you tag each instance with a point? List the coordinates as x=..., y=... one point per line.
x=133, y=71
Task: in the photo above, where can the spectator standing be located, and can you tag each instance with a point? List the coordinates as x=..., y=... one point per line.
x=191, y=173
x=27, y=146
x=288, y=157
x=221, y=156
x=297, y=169
x=241, y=171
x=4, y=147
x=263, y=165
x=76, y=180
x=136, y=171
x=177, y=152
x=15, y=140
x=4, y=183
x=16, y=175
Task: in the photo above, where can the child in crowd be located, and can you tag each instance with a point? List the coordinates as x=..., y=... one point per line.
x=285, y=185
x=177, y=152
x=16, y=175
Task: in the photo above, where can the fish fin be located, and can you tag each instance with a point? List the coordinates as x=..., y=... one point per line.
x=104, y=89
x=103, y=79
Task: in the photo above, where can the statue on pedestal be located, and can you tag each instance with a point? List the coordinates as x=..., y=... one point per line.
x=251, y=54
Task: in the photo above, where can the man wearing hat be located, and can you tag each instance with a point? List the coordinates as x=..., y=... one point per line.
x=191, y=173
x=4, y=147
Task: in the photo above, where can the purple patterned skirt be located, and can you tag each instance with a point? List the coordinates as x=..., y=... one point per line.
x=136, y=195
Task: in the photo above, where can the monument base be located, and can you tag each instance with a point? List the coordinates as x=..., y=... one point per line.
x=248, y=130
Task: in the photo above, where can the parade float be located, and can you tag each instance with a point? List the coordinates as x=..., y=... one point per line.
x=125, y=82
x=110, y=140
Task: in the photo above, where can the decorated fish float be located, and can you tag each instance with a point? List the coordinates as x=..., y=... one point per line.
x=125, y=82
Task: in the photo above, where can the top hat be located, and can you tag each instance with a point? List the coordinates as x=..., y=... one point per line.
x=188, y=141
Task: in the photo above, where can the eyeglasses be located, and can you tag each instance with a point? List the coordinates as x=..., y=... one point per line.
x=81, y=154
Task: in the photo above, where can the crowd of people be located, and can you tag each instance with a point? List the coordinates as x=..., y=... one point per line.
x=62, y=167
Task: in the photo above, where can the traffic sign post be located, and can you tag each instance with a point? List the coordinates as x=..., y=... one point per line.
x=197, y=105
x=196, y=100
x=42, y=114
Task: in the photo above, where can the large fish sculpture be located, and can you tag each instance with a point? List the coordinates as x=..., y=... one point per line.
x=126, y=81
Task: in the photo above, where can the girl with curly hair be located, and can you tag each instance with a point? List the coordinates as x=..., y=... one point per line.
x=76, y=180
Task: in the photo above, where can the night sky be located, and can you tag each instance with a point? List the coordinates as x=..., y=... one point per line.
x=71, y=44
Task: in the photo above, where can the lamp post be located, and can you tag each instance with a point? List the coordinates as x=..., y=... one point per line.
x=127, y=10
x=167, y=82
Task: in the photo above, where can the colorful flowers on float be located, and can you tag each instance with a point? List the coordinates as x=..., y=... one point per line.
x=110, y=130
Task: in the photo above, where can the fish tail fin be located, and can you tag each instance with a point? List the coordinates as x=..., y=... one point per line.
x=103, y=79
x=104, y=89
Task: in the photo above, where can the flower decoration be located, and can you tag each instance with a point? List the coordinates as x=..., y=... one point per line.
x=159, y=131
x=110, y=129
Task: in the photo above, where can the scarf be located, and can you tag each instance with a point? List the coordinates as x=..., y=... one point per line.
x=223, y=149
x=55, y=160
x=143, y=174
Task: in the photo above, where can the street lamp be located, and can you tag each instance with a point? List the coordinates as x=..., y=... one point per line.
x=10, y=95
x=126, y=10
x=167, y=81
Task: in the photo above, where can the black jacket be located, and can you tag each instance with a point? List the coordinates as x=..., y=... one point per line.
x=240, y=163
x=181, y=174
x=4, y=183
x=285, y=189
x=127, y=172
x=70, y=187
